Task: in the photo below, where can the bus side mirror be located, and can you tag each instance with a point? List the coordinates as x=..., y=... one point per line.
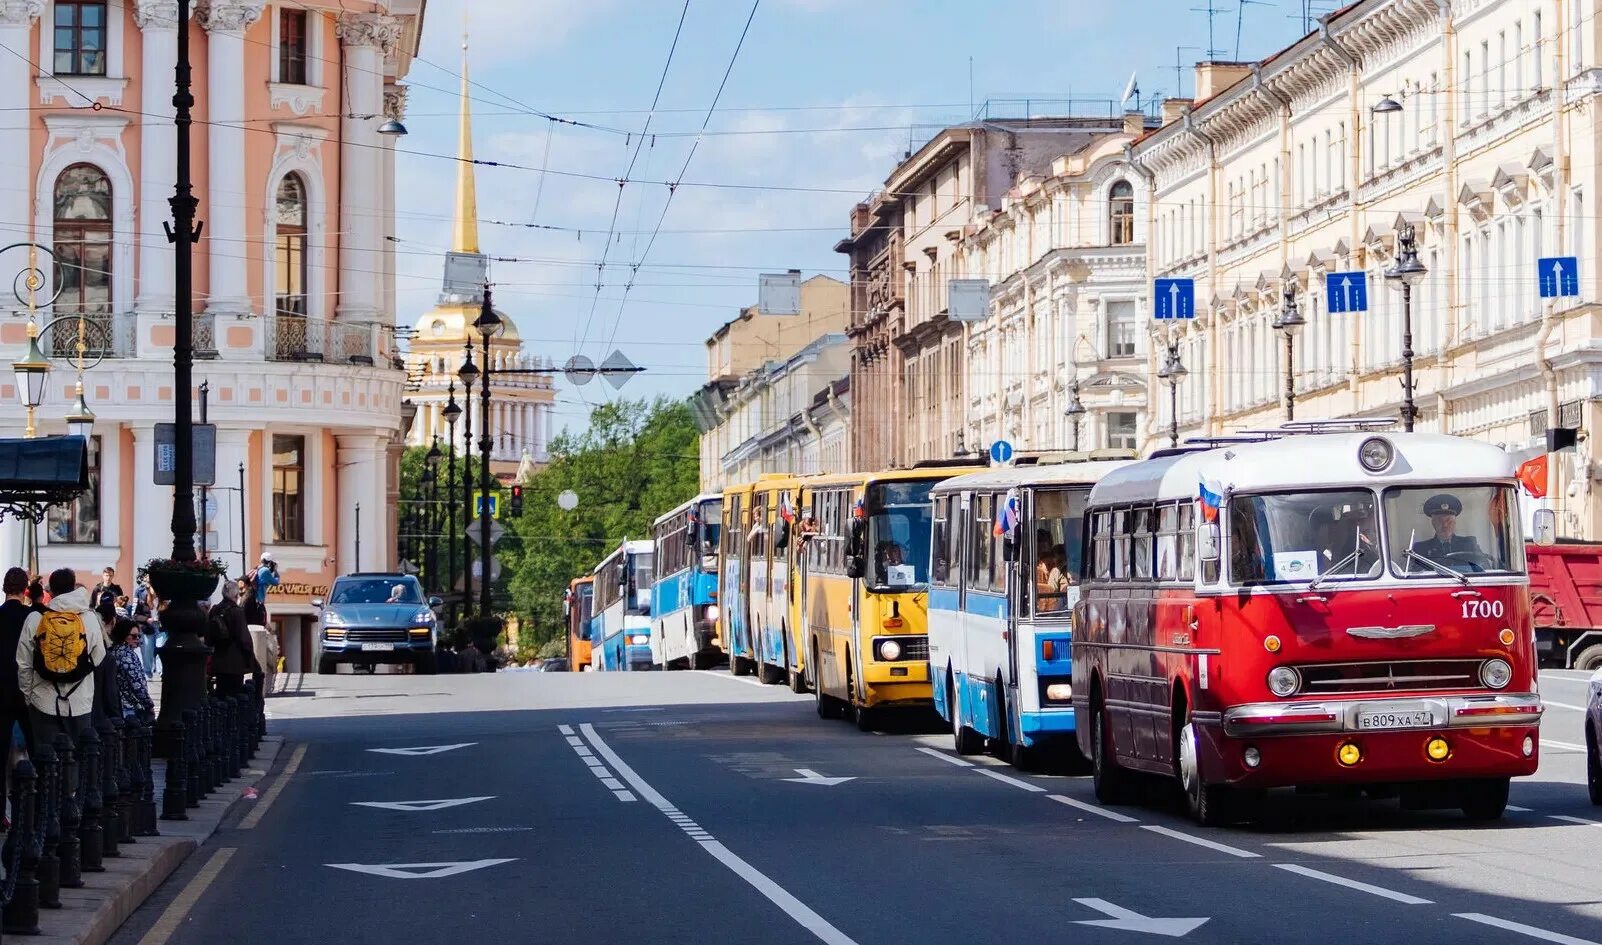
x=1009, y=550
x=1207, y=541
x=781, y=535
x=1545, y=527
x=855, y=567
x=690, y=538
x=858, y=529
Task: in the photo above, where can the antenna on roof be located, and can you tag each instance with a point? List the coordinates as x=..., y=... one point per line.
x=1240, y=19
x=1212, y=11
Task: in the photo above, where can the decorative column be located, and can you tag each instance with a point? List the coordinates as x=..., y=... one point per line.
x=158, y=33
x=361, y=481
x=367, y=39
x=233, y=448
x=226, y=22
x=152, y=505
x=16, y=95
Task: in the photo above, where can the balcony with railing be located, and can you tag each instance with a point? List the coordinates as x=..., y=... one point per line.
x=102, y=334
x=292, y=337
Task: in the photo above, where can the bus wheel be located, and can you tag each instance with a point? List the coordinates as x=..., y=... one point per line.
x=828, y=706
x=798, y=681
x=1110, y=781
x=965, y=740
x=739, y=665
x=1208, y=804
x=1484, y=800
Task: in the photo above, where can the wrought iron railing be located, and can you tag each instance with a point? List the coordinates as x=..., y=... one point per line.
x=301, y=338
x=104, y=335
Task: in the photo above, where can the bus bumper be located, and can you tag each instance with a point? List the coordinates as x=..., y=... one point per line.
x=904, y=683
x=1046, y=723
x=638, y=656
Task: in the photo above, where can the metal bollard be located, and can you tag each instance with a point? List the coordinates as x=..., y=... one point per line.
x=176, y=787
x=69, y=850
x=115, y=785
x=20, y=915
x=193, y=757
x=214, y=765
x=91, y=803
x=145, y=810
x=247, y=720
x=49, y=830
x=227, y=768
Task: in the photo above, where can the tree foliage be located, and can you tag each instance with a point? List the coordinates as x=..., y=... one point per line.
x=424, y=515
x=635, y=461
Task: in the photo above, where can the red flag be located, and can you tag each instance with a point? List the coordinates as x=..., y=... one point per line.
x=1532, y=475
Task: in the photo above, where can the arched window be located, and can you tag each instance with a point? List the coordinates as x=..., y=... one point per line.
x=83, y=248
x=289, y=281
x=1121, y=213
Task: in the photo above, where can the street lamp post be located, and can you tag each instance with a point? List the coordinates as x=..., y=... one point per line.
x=1075, y=411
x=467, y=374
x=489, y=325
x=1172, y=370
x=1407, y=273
x=453, y=411
x=431, y=533
x=1289, y=321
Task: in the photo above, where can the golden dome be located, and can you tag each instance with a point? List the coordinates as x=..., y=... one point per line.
x=451, y=324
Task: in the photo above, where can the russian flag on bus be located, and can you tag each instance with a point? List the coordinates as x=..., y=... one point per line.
x=785, y=512
x=1211, y=500
x=857, y=511
x=1007, y=521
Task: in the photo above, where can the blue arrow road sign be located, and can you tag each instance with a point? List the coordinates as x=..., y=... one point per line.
x=1176, y=298
x=1560, y=276
x=1346, y=292
x=1001, y=452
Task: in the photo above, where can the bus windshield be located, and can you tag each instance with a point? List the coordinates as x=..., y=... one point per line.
x=640, y=581
x=1057, y=519
x=711, y=515
x=1303, y=536
x=1468, y=529
x=898, y=533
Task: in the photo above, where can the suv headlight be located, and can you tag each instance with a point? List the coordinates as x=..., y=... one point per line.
x=423, y=617
x=332, y=619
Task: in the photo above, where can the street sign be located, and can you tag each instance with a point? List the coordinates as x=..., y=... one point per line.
x=204, y=450
x=1345, y=292
x=968, y=300
x=496, y=531
x=210, y=511
x=1175, y=298
x=779, y=293
x=465, y=275
x=567, y=500
x=494, y=504
x=1560, y=276
x=1001, y=452
x=478, y=569
x=580, y=370
x=617, y=369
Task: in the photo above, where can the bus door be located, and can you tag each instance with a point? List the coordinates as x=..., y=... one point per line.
x=1019, y=552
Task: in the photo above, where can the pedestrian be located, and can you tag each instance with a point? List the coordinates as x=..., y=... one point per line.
x=13, y=707
x=266, y=576
x=233, y=654
x=146, y=614
x=255, y=612
x=132, y=692
x=107, y=590
x=36, y=596
x=56, y=656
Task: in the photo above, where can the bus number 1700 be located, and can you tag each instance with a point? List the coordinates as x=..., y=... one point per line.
x=1482, y=610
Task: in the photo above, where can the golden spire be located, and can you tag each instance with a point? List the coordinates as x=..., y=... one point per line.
x=466, y=227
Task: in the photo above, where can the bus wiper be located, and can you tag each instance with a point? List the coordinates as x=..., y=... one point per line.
x=1437, y=567
x=1351, y=558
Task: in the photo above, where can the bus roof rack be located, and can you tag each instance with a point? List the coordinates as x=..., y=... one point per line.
x=1335, y=425
x=953, y=462
x=1060, y=457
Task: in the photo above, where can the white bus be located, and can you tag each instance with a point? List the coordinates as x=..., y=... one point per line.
x=622, y=634
x=684, y=609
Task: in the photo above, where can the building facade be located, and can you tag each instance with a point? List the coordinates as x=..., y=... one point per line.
x=1285, y=172
x=294, y=280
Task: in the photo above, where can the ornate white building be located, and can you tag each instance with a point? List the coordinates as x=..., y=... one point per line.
x=294, y=286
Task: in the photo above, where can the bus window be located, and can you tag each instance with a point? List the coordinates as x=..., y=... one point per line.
x=1187, y=542
x=898, y=533
x=938, y=566
x=1101, y=546
x=1468, y=529
x=979, y=540
x=1302, y=536
x=642, y=576
x=1058, y=517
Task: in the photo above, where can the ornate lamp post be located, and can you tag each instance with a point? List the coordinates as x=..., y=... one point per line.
x=1290, y=321
x=467, y=374
x=489, y=325
x=1075, y=411
x=1407, y=273
x=31, y=370
x=453, y=411
x=431, y=514
x=1172, y=370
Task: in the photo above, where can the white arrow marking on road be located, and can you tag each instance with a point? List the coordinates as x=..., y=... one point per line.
x=808, y=776
x=1131, y=921
x=421, y=805
x=425, y=750
x=407, y=870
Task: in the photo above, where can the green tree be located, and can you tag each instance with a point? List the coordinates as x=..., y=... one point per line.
x=422, y=516
x=635, y=461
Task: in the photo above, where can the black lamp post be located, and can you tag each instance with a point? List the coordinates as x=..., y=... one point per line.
x=1407, y=273
x=1075, y=411
x=431, y=534
x=453, y=411
x=427, y=486
x=1171, y=371
x=468, y=374
x=1289, y=321
x=489, y=325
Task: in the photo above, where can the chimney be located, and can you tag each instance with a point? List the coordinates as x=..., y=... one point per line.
x=1134, y=123
x=860, y=218
x=1174, y=109
x=1215, y=77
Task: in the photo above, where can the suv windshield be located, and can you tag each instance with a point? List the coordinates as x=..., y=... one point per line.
x=377, y=591
x=1303, y=536
x=1468, y=529
x=898, y=533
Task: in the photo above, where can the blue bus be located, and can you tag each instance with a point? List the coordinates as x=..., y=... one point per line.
x=684, y=609
x=621, y=629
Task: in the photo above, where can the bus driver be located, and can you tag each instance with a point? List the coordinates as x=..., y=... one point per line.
x=1443, y=510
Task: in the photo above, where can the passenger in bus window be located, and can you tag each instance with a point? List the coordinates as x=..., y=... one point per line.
x=1352, y=539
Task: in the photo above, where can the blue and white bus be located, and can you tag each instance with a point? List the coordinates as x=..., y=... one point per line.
x=684, y=609
x=1004, y=576
x=621, y=629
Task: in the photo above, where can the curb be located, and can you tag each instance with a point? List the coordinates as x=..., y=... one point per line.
x=93, y=914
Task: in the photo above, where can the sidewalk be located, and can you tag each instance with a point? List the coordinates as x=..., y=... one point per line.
x=91, y=915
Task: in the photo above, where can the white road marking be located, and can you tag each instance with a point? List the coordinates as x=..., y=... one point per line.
x=1201, y=841
x=1128, y=920
x=775, y=893
x=1093, y=809
x=406, y=870
x=625, y=796
x=1517, y=809
x=418, y=806
x=949, y=759
x=594, y=762
x=483, y=830
x=1005, y=779
x=1380, y=891
x=1574, y=820
x=612, y=783
x=1566, y=746
x=425, y=750
x=748, y=680
x=575, y=741
x=808, y=776
x=1529, y=930
x=582, y=751
x=1563, y=705
x=565, y=729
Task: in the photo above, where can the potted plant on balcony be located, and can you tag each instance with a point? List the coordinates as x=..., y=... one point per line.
x=183, y=580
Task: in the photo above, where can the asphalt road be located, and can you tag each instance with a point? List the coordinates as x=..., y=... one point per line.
x=695, y=808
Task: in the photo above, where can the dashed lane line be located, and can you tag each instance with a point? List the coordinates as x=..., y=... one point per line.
x=565, y=729
x=748, y=680
x=1372, y=890
x=1006, y=779
x=1574, y=820
x=1565, y=746
x=948, y=759
x=1092, y=809
x=596, y=766
x=776, y=894
x=1528, y=930
x=1202, y=841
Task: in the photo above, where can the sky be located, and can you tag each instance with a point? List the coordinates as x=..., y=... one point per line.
x=822, y=99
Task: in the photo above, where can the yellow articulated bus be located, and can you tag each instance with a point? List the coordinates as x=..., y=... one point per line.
x=862, y=588
x=755, y=578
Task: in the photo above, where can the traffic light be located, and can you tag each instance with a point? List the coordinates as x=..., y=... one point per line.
x=517, y=501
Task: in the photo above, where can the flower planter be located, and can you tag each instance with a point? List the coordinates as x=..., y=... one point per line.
x=183, y=584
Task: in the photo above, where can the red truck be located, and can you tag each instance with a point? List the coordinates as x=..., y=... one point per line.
x=1566, y=597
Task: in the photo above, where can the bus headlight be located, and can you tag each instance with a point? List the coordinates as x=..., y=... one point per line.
x=1284, y=681
x=1060, y=692
x=1495, y=674
x=711, y=611
x=889, y=650
x=1375, y=454
x=639, y=639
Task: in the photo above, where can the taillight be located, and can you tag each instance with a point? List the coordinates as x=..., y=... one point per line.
x=892, y=623
x=1048, y=649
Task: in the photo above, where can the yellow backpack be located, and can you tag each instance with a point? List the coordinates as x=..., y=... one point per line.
x=61, y=648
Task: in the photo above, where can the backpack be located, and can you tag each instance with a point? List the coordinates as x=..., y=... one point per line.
x=61, y=648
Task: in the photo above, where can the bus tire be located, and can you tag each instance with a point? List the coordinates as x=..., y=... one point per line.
x=1593, y=765
x=798, y=681
x=1590, y=658
x=1485, y=799
x=964, y=740
x=828, y=706
x=1110, y=781
x=739, y=665
x=1207, y=804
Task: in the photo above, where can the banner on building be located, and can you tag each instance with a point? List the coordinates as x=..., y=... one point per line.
x=968, y=300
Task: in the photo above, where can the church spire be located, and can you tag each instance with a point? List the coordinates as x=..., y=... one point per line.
x=466, y=225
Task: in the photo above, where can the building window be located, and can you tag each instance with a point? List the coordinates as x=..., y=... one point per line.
x=78, y=522
x=290, y=254
x=292, y=46
x=1121, y=213
x=80, y=42
x=1123, y=330
x=289, y=488
x=1121, y=430
x=83, y=251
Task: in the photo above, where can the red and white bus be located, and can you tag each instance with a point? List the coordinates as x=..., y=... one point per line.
x=1307, y=608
